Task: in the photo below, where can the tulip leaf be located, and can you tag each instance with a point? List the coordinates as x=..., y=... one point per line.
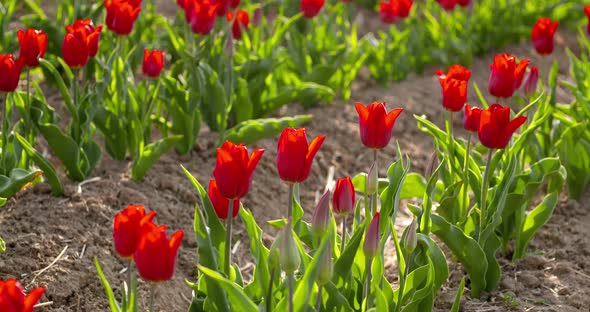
x=439, y=261
x=538, y=217
x=466, y=249
x=457, y=302
x=238, y=299
x=109, y=291
x=47, y=168
x=150, y=154
x=390, y=197
x=16, y=181
x=336, y=299
x=258, y=251
x=250, y=131
x=414, y=186
x=344, y=263
x=359, y=183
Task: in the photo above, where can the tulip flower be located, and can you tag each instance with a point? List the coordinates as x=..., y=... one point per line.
x=376, y=125
x=222, y=6
x=295, y=154
x=289, y=257
x=471, y=118
x=234, y=169
x=311, y=8
x=542, y=35
x=410, y=240
x=11, y=71
x=531, y=81
x=128, y=227
x=404, y=7
x=587, y=11
x=390, y=10
x=33, y=44
x=506, y=76
x=241, y=22
x=321, y=216
x=121, y=16
x=153, y=63
x=372, y=239
x=92, y=33
x=343, y=199
x=155, y=255
x=220, y=203
x=448, y=5
x=495, y=126
x=80, y=43
x=454, y=87
x=464, y=3
x=201, y=16
x=13, y=298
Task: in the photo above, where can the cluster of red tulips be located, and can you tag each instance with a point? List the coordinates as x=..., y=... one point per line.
x=202, y=14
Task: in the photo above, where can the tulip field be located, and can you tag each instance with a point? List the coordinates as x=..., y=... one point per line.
x=297, y=155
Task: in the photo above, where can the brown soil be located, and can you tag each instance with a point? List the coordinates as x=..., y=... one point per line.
x=37, y=227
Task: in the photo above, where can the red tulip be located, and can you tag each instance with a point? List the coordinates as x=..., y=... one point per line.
x=587, y=11
x=464, y=3
x=220, y=203
x=343, y=199
x=404, y=7
x=202, y=16
x=11, y=71
x=222, y=6
x=121, y=15
x=321, y=218
x=13, y=299
x=234, y=169
x=311, y=8
x=234, y=4
x=241, y=22
x=256, y=17
x=495, y=126
x=155, y=256
x=388, y=12
x=506, y=76
x=542, y=35
x=128, y=227
x=295, y=154
x=448, y=5
x=454, y=87
x=372, y=238
x=471, y=118
x=153, y=63
x=33, y=44
x=531, y=81
x=92, y=33
x=376, y=125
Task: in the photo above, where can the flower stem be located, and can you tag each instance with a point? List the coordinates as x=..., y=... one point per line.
x=375, y=195
x=343, y=240
x=484, y=196
x=402, y=284
x=268, y=298
x=451, y=146
x=290, y=209
x=368, y=284
x=318, y=302
x=228, y=225
x=152, y=296
x=75, y=114
x=466, y=175
x=291, y=282
x=5, y=128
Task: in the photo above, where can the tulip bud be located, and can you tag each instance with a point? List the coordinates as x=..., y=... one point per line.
x=432, y=164
x=289, y=255
x=371, y=246
x=326, y=267
x=273, y=256
x=321, y=216
x=372, y=179
x=256, y=17
x=409, y=240
x=530, y=83
x=343, y=199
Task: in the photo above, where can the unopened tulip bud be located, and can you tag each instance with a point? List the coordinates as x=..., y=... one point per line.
x=372, y=179
x=274, y=254
x=530, y=83
x=410, y=240
x=256, y=17
x=289, y=253
x=371, y=246
x=321, y=216
x=431, y=166
x=326, y=267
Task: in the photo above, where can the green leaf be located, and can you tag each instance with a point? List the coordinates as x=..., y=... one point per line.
x=414, y=186
x=250, y=131
x=109, y=291
x=17, y=181
x=66, y=149
x=258, y=251
x=438, y=259
x=44, y=164
x=359, y=183
x=150, y=154
x=345, y=261
x=2, y=243
x=466, y=249
x=533, y=222
x=457, y=302
x=238, y=299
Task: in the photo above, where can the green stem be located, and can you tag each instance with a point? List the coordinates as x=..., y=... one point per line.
x=268, y=298
x=451, y=146
x=343, y=234
x=152, y=296
x=466, y=175
x=318, y=302
x=129, y=265
x=402, y=285
x=375, y=195
x=291, y=282
x=5, y=128
x=290, y=209
x=228, y=225
x=484, y=196
x=368, y=284
x=76, y=112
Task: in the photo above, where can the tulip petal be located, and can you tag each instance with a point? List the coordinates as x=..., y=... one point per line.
x=392, y=116
x=32, y=298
